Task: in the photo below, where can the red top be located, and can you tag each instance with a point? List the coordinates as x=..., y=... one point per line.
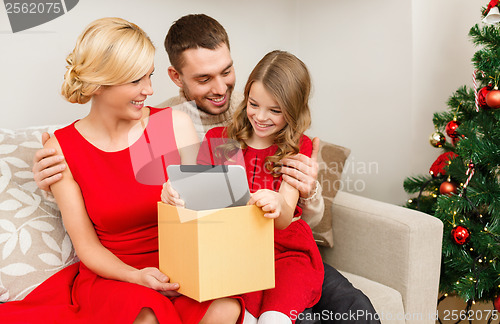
x=298, y=265
x=254, y=160
x=123, y=211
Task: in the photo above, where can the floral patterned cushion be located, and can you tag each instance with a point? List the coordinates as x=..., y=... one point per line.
x=33, y=242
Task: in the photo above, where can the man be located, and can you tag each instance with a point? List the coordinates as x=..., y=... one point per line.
x=202, y=68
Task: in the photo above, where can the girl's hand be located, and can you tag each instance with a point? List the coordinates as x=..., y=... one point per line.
x=270, y=201
x=170, y=196
x=153, y=278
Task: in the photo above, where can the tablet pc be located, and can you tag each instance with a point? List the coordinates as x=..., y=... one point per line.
x=205, y=187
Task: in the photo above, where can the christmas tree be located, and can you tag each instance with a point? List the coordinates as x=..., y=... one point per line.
x=463, y=187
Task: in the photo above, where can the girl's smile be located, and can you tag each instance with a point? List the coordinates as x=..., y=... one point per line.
x=265, y=115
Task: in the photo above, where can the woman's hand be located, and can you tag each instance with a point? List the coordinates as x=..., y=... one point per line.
x=270, y=201
x=153, y=278
x=170, y=196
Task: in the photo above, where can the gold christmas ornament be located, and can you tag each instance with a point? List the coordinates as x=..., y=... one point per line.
x=437, y=139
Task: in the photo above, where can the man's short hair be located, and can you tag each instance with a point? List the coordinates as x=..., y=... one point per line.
x=191, y=32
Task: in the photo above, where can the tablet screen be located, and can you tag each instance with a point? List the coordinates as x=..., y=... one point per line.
x=205, y=187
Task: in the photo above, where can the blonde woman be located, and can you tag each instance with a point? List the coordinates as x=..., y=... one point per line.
x=110, y=216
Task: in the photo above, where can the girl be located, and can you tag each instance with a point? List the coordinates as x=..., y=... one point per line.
x=269, y=126
x=110, y=216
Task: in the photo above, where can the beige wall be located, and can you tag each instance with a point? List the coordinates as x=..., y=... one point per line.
x=380, y=69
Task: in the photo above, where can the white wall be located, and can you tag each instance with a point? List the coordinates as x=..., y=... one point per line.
x=362, y=67
x=380, y=69
x=33, y=61
x=442, y=54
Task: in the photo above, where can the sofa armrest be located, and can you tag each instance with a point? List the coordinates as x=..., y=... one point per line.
x=389, y=244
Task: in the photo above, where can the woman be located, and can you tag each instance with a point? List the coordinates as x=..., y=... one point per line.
x=110, y=216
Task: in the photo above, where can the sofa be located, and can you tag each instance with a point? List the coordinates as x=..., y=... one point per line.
x=391, y=253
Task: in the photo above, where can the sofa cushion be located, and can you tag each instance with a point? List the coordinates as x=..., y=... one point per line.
x=33, y=242
x=387, y=301
x=331, y=159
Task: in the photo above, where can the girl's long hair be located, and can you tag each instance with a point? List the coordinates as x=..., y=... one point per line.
x=287, y=79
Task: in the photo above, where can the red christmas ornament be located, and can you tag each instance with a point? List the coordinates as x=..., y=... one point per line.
x=438, y=167
x=497, y=303
x=481, y=96
x=460, y=235
x=447, y=188
x=451, y=128
x=493, y=98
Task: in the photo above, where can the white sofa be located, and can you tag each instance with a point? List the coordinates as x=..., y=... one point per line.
x=390, y=253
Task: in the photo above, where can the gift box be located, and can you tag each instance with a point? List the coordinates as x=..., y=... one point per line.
x=216, y=253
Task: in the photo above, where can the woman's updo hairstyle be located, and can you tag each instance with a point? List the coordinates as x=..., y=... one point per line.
x=110, y=51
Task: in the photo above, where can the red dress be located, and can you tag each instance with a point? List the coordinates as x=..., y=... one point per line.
x=298, y=264
x=124, y=214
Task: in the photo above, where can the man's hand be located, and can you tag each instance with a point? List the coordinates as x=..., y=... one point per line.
x=301, y=172
x=47, y=167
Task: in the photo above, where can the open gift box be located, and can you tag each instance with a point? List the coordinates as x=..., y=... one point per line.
x=216, y=253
